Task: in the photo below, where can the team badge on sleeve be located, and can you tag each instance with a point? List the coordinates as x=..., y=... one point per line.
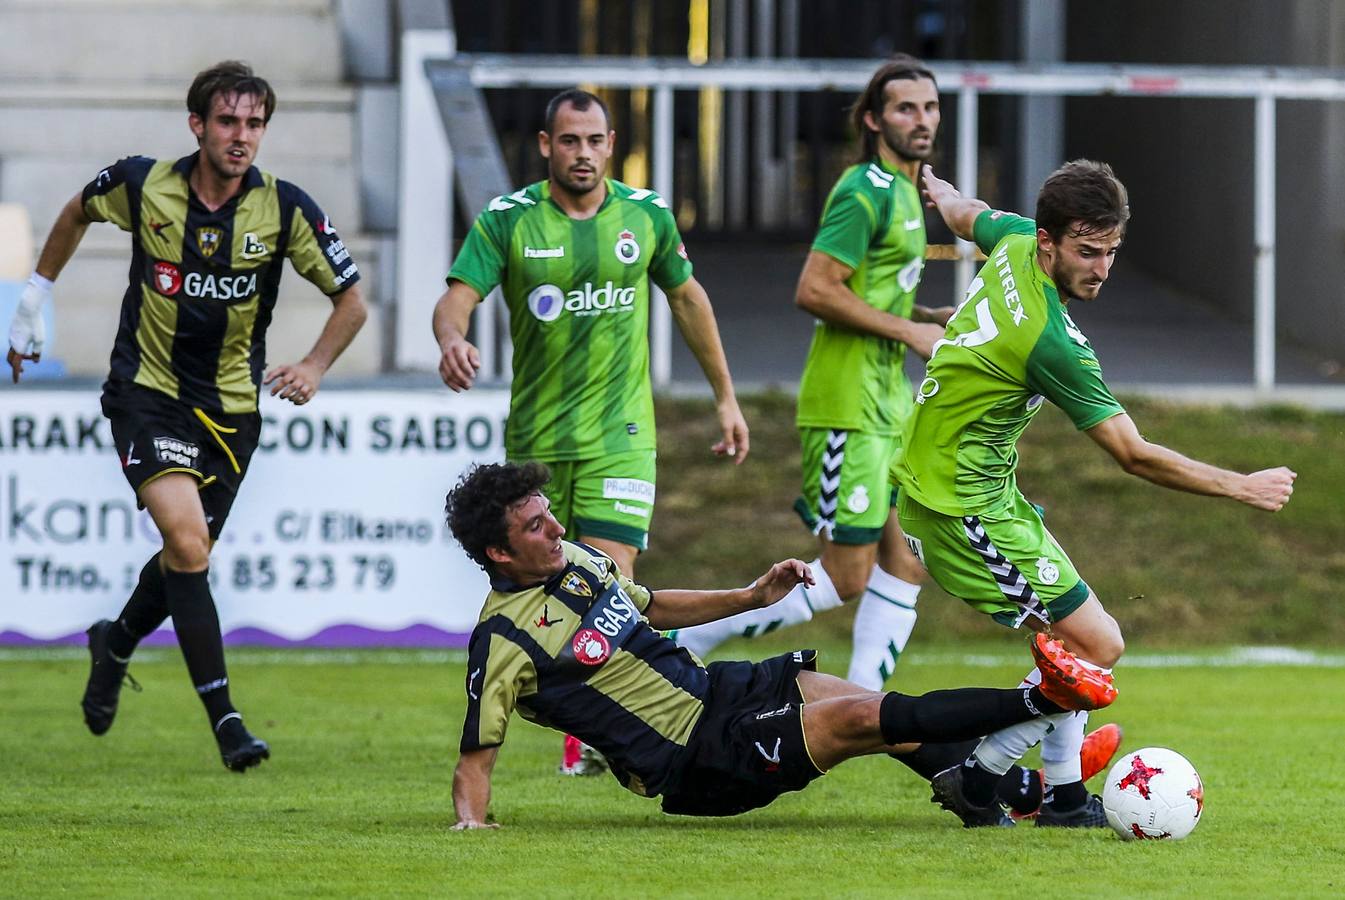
x=591, y=647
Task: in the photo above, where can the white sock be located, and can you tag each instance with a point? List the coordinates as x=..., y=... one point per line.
x=1060, y=750
x=998, y=751
x=797, y=606
x=883, y=625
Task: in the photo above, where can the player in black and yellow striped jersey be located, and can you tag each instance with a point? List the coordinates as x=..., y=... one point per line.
x=569, y=642
x=209, y=237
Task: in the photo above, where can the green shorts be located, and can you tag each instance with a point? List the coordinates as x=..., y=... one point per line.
x=1006, y=565
x=846, y=493
x=610, y=498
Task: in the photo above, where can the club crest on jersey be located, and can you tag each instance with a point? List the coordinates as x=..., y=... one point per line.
x=1047, y=571
x=591, y=647
x=627, y=250
x=858, y=501
x=167, y=278
x=574, y=583
x=208, y=238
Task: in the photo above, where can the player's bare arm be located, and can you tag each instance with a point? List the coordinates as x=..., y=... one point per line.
x=696, y=320
x=959, y=213
x=27, y=332
x=459, y=359
x=298, y=382
x=1268, y=489
x=823, y=292
x=471, y=788
x=939, y=315
x=682, y=609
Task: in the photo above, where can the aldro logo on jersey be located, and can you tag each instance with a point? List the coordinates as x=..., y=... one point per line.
x=547, y=301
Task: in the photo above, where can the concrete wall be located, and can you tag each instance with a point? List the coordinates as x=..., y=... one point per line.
x=1188, y=163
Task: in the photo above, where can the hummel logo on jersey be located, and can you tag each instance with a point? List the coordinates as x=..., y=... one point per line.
x=544, y=622
x=253, y=246
x=544, y=252
x=878, y=178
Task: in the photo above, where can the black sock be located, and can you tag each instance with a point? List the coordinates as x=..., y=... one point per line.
x=979, y=783
x=1066, y=796
x=957, y=715
x=1020, y=790
x=197, y=626
x=1039, y=704
x=931, y=759
x=145, y=611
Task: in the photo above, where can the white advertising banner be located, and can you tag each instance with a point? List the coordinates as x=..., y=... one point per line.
x=337, y=536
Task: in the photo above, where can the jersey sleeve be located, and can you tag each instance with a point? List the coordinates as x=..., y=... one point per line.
x=314, y=248
x=638, y=593
x=847, y=228
x=496, y=670
x=1063, y=368
x=993, y=225
x=108, y=198
x=670, y=267
x=481, y=262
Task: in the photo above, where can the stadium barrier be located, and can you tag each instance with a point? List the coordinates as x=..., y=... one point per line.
x=337, y=538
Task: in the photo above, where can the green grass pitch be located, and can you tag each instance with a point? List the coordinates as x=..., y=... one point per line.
x=356, y=800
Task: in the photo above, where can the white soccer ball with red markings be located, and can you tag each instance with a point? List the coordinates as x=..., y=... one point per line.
x=1153, y=794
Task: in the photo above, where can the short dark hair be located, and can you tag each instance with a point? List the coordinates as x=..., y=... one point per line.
x=477, y=510
x=902, y=67
x=580, y=100
x=1082, y=197
x=228, y=77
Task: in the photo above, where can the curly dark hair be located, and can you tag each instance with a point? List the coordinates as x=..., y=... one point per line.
x=901, y=67
x=1082, y=197
x=228, y=77
x=477, y=510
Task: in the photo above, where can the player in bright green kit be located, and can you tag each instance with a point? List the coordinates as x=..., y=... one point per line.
x=574, y=255
x=860, y=281
x=1011, y=346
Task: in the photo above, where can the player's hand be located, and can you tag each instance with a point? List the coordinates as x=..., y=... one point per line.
x=733, y=427
x=459, y=364
x=780, y=580
x=27, y=331
x=296, y=383
x=935, y=189
x=1268, y=489
x=473, y=825
x=922, y=337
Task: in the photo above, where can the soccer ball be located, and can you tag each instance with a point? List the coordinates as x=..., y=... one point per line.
x=1153, y=794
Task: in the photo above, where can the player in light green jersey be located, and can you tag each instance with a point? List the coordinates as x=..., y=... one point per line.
x=859, y=281
x=1010, y=346
x=574, y=256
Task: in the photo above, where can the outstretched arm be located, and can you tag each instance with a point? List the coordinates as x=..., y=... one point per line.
x=1268, y=489
x=958, y=212
x=696, y=320
x=298, y=382
x=26, y=331
x=682, y=609
x=459, y=359
x=471, y=788
x=824, y=293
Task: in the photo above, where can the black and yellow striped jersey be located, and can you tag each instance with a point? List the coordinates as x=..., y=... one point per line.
x=203, y=283
x=576, y=654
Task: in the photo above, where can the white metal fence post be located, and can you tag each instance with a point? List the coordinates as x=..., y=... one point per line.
x=968, y=136
x=660, y=316
x=1263, y=317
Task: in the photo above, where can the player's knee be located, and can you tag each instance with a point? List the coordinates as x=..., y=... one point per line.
x=849, y=582
x=186, y=550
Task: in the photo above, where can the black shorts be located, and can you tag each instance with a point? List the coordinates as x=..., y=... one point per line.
x=155, y=434
x=748, y=747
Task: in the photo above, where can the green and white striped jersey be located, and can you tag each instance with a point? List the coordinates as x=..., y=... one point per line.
x=1010, y=344
x=874, y=223
x=578, y=298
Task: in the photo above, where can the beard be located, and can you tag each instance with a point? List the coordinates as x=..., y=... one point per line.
x=577, y=187
x=904, y=146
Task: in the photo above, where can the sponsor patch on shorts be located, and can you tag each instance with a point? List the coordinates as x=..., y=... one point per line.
x=628, y=489
x=172, y=450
